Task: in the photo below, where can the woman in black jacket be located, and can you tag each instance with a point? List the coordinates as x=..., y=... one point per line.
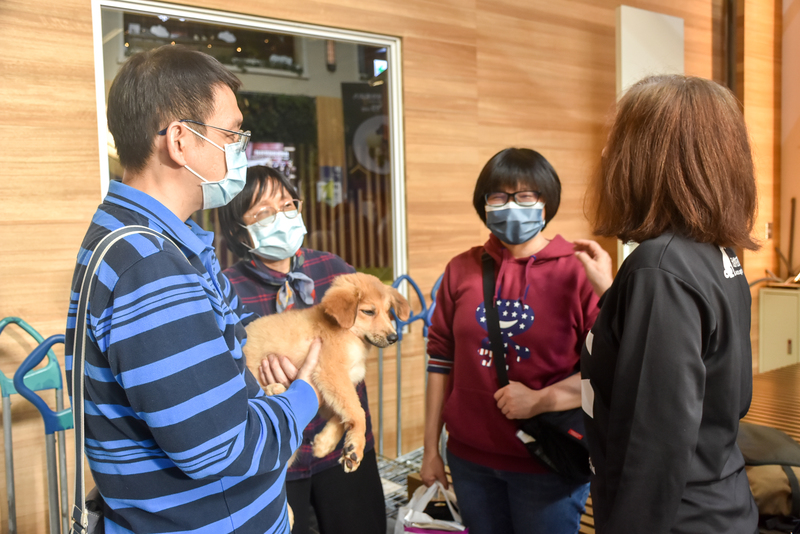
x=666, y=370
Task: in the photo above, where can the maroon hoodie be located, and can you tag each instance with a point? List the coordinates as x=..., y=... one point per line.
x=546, y=308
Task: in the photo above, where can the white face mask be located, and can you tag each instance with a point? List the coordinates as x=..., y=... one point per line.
x=280, y=240
x=217, y=194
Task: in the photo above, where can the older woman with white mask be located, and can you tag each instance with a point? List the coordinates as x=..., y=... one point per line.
x=264, y=226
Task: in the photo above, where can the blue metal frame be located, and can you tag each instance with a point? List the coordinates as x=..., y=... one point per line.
x=53, y=421
x=419, y=316
x=425, y=315
x=400, y=324
x=48, y=377
x=429, y=312
x=25, y=381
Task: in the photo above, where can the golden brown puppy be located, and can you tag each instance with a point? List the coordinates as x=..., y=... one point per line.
x=352, y=316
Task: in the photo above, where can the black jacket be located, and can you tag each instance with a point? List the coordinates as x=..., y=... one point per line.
x=667, y=374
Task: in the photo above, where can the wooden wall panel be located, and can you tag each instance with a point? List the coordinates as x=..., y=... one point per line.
x=790, y=133
x=49, y=187
x=761, y=99
x=478, y=76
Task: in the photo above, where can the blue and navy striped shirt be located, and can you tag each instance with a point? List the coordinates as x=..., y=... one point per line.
x=179, y=435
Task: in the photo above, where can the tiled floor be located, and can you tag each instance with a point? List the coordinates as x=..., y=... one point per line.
x=776, y=400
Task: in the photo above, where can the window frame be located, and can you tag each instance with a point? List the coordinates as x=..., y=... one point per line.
x=394, y=89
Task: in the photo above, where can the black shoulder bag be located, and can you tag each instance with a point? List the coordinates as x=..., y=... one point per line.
x=557, y=439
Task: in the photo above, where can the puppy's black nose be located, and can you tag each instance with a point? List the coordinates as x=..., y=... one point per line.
x=391, y=338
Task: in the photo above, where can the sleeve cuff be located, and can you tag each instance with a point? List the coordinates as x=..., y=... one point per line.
x=438, y=364
x=303, y=400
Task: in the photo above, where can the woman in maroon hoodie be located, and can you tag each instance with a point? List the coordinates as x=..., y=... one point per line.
x=546, y=307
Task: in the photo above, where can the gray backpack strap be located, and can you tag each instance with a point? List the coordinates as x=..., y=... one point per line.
x=80, y=517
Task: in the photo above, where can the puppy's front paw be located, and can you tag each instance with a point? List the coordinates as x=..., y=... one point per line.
x=352, y=453
x=322, y=447
x=274, y=389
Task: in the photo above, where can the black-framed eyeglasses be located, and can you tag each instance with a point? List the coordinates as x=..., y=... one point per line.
x=523, y=198
x=241, y=137
x=266, y=215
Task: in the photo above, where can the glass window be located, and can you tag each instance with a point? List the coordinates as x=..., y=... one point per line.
x=237, y=47
x=323, y=107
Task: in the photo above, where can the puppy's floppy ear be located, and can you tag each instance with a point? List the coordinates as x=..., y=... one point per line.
x=341, y=304
x=400, y=304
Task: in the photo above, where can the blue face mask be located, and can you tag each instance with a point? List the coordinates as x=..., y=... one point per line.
x=217, y=194
x=515, y=224
x=280, y=240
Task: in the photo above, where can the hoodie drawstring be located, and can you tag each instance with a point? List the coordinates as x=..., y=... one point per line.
x=499, y=284
x=527, y=271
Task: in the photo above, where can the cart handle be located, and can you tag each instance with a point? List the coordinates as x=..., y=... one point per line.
x=420, y=316
x=429, y=312
x=48, y=377
x=53, y=421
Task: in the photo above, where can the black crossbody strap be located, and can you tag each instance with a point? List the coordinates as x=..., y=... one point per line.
x=493, y=320
x=79, y=513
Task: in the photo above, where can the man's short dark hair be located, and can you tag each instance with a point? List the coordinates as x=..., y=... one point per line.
x=260, y=178
x=523, y=168
x=157, y=87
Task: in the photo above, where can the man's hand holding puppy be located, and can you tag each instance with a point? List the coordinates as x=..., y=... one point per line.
x=275, y=369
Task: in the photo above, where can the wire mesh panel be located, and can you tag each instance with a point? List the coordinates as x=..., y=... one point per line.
x=394, y=476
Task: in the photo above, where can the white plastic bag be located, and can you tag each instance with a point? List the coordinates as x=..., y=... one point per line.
x=412, y=518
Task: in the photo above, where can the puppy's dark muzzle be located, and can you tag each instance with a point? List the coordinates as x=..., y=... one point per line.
x=392, y=339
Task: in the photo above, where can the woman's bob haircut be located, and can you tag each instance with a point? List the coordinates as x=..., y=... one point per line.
x=520, y=168
x=260, y=179
x=677, y=159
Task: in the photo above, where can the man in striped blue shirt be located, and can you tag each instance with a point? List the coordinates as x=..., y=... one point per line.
x=179, y=435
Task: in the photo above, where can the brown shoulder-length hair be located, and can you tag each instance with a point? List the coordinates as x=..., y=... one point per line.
x=677, y=159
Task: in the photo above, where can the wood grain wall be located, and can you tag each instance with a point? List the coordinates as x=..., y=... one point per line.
x=479, y=76
x=49, y=187
x=761, y=97
x=790, y=130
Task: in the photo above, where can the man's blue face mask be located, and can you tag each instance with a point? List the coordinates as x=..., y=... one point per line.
x=217, y=194
x=515, y=224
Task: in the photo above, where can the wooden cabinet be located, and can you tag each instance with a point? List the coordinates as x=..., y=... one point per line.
x=779, y=328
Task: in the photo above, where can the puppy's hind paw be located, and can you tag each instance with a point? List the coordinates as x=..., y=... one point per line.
x=350, y=460
x=274, y=389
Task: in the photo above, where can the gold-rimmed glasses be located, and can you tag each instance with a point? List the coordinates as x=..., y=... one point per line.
x=266, y=215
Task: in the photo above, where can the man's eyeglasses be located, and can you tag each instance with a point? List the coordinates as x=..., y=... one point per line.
x=240, y=137
x=523, y=198
x=266, y=216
